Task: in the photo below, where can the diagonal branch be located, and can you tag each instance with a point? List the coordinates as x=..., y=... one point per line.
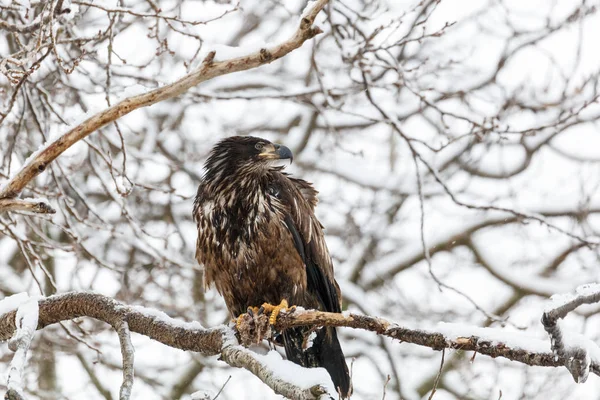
x=238, y=356
x=208, y=70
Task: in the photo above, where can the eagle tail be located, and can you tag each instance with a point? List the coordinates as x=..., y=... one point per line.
x=325, y=352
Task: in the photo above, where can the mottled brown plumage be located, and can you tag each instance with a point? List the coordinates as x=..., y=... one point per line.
x=259, y=241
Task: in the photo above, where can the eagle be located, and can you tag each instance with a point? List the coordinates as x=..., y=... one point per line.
x=261, y=243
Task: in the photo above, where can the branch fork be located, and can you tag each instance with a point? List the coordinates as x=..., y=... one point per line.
x=576, y=357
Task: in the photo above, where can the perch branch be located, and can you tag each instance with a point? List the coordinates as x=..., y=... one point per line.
x=221, y=341
x=209, y=69
x=434, y=340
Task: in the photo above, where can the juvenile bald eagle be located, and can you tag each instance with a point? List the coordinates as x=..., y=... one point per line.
x=260, y=242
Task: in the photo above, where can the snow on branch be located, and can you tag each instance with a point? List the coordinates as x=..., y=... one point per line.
x=579, y=354
x=209, y=69
x=271, y=370
x=127, y=353
x=26, y=322
x=221, y=340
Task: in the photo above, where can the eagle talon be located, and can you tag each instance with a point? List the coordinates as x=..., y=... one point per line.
x=252, y=326
x=253, y=311
x=238, y=321
x=275, y=310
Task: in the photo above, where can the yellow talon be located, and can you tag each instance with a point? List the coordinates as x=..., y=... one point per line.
x=254, y=310
x=275, y=310
x=238, y=321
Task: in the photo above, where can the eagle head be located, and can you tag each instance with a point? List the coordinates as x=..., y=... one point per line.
x=244, y=153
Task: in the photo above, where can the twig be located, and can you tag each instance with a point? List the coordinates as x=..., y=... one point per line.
x=31, y=205
x=127, y=352
x=222, y=387
x=387, y=381
x=439, y=375
x=93, y=378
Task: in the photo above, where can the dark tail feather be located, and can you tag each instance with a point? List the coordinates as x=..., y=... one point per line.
x=325, y=352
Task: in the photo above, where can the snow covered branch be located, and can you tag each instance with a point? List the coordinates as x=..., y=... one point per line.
x=209, y=69
x=221, y=341
x=578, y=353
x=26, y=320
x=127, y=352
x=487, y=341
x=238, y=356
x=31, y=205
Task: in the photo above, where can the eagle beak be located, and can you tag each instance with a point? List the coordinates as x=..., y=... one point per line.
x=277, y=152
x=284, y=152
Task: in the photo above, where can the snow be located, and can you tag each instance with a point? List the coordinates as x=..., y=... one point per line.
x=27, y=315
x=534, y=284
x=574, y=340
x=26, y=321
x=513, y=339
x=287, y=371
x=133, y=90
x=202, y=395
x=163, y=317
x=561, y=299
x=309, y=6
x=224, y=52
x=36, y=200
x=74, y=10
x=11, y=303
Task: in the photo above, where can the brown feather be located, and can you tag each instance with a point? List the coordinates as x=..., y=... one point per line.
x=260, y=241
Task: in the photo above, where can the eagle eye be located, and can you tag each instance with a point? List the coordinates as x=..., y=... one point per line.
x=259, y=146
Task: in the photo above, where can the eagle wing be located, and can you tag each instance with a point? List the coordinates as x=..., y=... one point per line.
x=300, y=199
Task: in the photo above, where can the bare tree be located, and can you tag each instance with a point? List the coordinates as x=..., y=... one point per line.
x=454, y=146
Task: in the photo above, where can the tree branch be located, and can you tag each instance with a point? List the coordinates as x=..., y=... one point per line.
x=221, y=340
x=25, y=320
x=576, y=356
x=127, y=352
x=482, y=340
x=31, y=205
x=240, y=357
x=208, y=70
